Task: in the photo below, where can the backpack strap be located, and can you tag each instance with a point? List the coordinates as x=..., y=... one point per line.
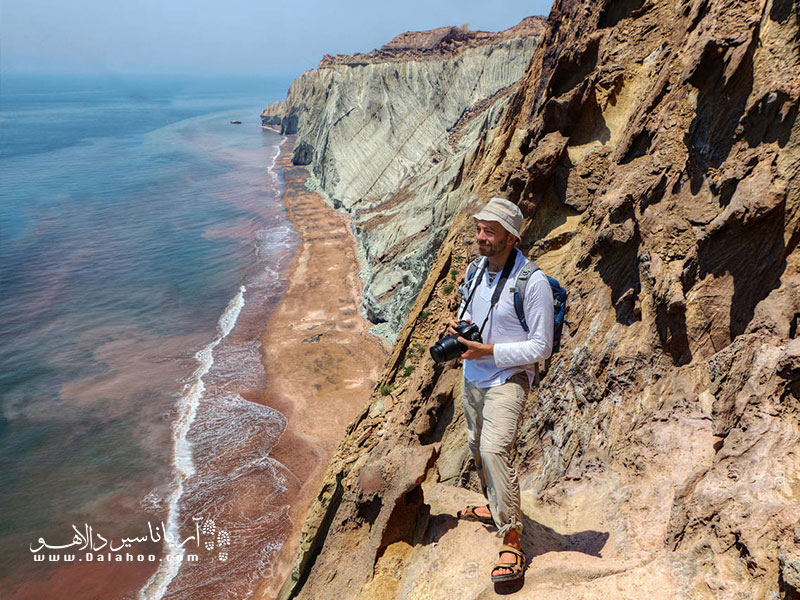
x=519, y=292
x=469, y=277
x=472, y=268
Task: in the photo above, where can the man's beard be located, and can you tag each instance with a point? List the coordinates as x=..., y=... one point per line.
x=492, y=249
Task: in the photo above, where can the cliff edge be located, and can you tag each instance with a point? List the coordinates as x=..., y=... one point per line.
x=386, y=135
x=654, y=148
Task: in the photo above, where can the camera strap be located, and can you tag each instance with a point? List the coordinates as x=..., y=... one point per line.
x=503, y=278
x=512, y=258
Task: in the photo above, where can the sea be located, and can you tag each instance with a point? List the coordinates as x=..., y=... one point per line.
x=143, y=245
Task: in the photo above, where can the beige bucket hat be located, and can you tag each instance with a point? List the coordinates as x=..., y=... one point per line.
x=504, y=212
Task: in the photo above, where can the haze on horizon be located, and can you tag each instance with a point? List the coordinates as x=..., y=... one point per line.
x=243, y=38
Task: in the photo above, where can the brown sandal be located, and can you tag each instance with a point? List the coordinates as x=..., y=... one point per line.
x=469, y=514
x=517, y=567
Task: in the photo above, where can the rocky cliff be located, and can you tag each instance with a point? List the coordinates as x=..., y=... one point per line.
x=654, y=148
x=386, y=134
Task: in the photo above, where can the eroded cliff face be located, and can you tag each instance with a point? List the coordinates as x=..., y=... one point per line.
x=654, y=148
x=386, y=135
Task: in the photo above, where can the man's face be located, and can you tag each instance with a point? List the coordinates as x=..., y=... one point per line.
x=493, y=239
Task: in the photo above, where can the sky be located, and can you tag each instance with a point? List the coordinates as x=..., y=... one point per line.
x=236, y=37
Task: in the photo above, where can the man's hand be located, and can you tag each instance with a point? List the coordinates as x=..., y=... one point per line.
x=451, y=327
x=475, y=349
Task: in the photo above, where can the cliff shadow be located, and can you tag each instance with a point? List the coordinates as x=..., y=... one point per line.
x=732, y=250
x=618, y=266
x=721, y=104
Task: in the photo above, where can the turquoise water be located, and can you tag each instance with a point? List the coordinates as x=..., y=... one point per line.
x=133, y=217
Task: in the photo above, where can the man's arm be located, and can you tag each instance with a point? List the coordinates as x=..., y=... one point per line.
x=539, y=317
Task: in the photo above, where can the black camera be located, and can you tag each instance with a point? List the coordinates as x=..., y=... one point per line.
x=449, y=347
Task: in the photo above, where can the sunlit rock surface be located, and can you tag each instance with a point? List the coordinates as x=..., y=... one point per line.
x=653, y=148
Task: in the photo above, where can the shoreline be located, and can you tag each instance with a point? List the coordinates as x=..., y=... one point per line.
x=320, y=360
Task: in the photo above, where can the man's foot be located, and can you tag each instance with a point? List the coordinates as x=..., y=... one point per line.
x=481, y=514
x=510, y=566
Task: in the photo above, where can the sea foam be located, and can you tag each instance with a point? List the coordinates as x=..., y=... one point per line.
x=183, y=465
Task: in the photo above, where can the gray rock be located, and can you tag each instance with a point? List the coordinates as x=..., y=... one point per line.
x=302, y=153
x=387, y=142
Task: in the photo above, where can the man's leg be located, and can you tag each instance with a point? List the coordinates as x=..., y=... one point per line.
x=502, y=407
x=472, y=400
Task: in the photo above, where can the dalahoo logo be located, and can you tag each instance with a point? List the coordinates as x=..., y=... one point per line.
x=88, y=545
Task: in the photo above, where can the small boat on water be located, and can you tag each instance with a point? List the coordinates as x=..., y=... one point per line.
x=236, y=122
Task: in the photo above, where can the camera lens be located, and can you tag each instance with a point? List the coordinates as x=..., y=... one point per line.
x=447, y=348
x=437, y=353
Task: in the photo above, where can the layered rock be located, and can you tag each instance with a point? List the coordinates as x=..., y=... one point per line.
x=386, y=135
x=435, y=44
x=654, y=148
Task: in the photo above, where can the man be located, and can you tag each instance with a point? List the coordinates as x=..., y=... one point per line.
x=498, y=372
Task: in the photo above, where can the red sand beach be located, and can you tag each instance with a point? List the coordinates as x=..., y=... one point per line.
x=320, y=361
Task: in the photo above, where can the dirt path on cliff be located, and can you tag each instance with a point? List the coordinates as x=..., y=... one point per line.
x=320, y=360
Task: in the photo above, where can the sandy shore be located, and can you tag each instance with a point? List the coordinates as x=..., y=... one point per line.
x=321, y=363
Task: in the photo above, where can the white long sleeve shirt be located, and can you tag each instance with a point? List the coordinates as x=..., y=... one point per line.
x=514, y=349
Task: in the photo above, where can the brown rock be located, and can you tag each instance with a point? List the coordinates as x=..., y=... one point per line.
x=658, y=142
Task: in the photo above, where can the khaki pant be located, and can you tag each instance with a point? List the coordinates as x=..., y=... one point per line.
x=492, y=417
